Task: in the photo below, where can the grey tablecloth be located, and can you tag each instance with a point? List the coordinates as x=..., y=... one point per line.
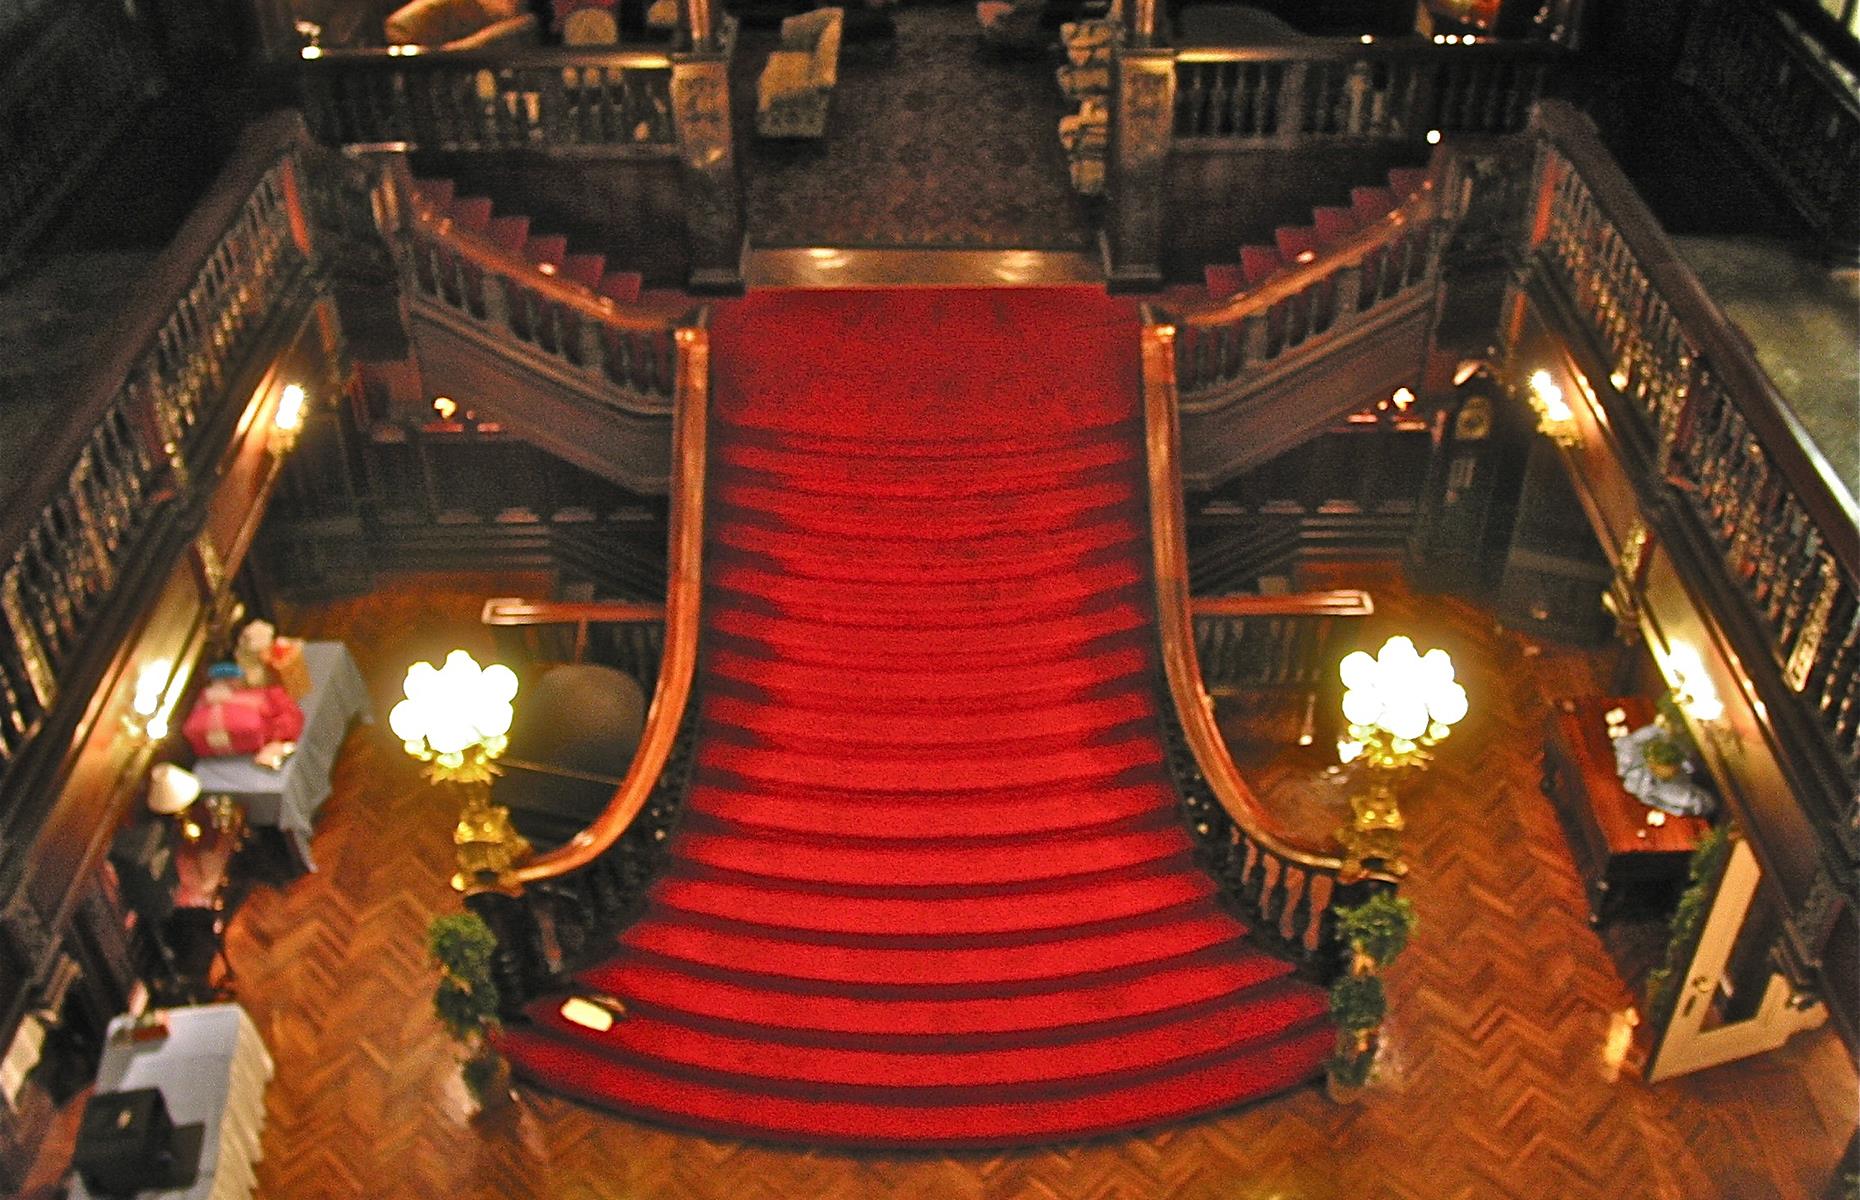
x=211, y=1068
x=289, y=798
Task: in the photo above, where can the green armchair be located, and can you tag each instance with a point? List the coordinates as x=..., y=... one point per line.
x=794, y=88
x=461, y=24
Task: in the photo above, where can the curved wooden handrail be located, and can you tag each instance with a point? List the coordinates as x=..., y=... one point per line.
x=1340, y=602
x=1374, y=50
x=487, y=58
x=684, y=589
x=1405, y=220
x=1174, y=615
x=494, y=259
x=1810, y=478
x=509, y=611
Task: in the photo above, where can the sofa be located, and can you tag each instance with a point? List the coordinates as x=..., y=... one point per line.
x=462, y=24
x=796, y=84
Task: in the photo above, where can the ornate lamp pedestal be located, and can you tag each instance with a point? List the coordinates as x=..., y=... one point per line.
x=1397, y=704
x=486, y=844
x=455, y=719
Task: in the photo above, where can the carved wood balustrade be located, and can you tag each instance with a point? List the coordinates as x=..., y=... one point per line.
x=584, y=890
x=1286, y=891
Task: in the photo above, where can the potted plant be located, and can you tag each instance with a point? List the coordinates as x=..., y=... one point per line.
x=466, y=1001
x=1373, y=933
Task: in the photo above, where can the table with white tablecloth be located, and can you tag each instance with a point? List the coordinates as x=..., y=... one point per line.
x=211, y=1068
x=288, y=798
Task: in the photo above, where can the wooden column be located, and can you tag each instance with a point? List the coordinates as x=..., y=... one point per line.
x=1142, y=117
x=708, y=179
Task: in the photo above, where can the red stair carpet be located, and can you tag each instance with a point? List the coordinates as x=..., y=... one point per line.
x=930, y=889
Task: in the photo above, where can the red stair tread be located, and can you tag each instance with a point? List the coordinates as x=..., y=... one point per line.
x=958, y=1121
x=905, y=1010
x=650, y=1032
x=1334, y=224
x=1045, y=954
x=510, y=232
x=620, y=286
x=551, y=248
x=1296, y=243
x=471, y=212
x=585, y=269
x=1373, y=203
x=1260, y=263
x=1223, y=279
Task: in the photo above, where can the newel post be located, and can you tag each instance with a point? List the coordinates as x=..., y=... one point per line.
x=1142, y=123
x=707, y=174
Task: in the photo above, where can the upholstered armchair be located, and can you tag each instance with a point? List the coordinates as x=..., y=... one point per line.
x=461, y=24
x=794, y=88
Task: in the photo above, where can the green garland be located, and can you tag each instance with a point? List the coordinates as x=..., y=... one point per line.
x=1703, y=874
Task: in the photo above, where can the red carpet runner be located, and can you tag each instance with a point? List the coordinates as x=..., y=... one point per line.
x=930, y=889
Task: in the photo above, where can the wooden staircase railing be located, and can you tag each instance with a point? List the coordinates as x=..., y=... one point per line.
x=627, y=636
x=589, y=886
x=1286, y=891
x=1227, y=349
x=1343, y=89
x=1248, y=643
x=149, y=416
x=624, y=352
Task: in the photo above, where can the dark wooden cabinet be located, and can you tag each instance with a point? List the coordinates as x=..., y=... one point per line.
x=1623, y=860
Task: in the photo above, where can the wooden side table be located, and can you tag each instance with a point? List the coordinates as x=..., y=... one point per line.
x=1618, y=854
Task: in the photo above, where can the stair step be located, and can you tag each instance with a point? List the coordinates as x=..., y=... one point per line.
x=622, y=287
x=1223, y=279
x=1406, y=181
x=738, y=1107
x=436, y=193
x=551, y=248
x=585, y=269
x=1373, y=203
x=1297, y=243
x=1334, y=224
x=509, y=232
x=471, y=212
x=1260, y=263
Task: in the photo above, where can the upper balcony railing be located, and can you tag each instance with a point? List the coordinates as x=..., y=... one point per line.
x=137, y=426
x=574, y=99
x=1792, y=109
x=1338, y=89
x=1712, y=429
x=1393, y=261
x=612, y=345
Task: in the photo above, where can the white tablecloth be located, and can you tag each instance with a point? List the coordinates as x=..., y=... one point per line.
x=211, y=1068
x=289, y=797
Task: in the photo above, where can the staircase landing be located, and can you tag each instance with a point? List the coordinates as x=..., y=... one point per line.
x=838, y=267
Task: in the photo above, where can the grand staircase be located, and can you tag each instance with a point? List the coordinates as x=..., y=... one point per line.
x=931, y=888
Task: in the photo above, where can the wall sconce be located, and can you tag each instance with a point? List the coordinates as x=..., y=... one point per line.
x=288, y=422
x=1693, y=690
x=151, y=704
x=1556, y=420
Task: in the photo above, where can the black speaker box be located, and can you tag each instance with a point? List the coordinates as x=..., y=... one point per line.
x=128, y=1143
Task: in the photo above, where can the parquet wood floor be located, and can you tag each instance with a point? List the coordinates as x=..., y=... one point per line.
x=1493, y=1083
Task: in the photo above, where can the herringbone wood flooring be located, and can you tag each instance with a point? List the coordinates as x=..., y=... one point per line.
x=1493, y=1083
